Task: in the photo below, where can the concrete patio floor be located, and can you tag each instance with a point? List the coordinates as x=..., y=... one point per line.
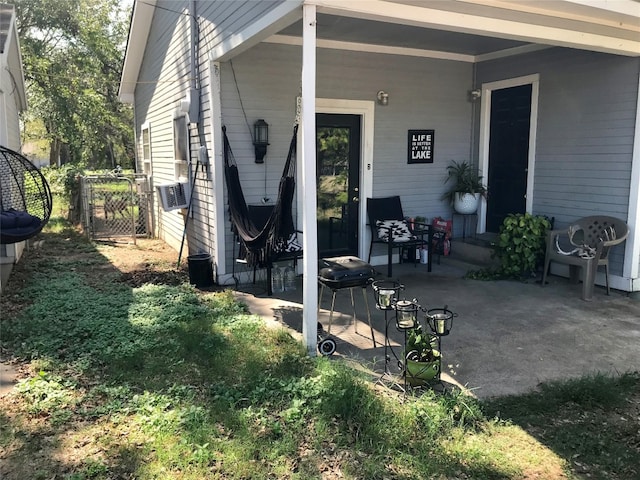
x=507, y=338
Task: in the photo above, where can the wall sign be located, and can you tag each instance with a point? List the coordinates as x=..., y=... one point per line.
x=420, y=148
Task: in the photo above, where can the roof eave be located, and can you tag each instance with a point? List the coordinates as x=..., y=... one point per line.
x=13, y=59
x=141, y=18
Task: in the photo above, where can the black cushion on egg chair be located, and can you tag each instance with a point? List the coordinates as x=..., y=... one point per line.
x=25, y=198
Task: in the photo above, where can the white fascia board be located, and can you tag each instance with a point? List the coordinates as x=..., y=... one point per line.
x=11, y=60
x=282, y=16
x=620, y=14
x=380, y=10
x=373, y=48
x=141, y=18
x=622, y=7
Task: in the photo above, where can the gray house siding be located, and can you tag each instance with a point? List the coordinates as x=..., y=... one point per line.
x=164, y=80
x=223, y=19
x=584, y=134
x=424, y=94
x=584, y=140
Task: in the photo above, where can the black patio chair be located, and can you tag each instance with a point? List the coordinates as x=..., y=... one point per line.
x=388, y=226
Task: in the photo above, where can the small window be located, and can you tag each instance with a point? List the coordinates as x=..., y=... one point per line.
x=146, y=149
x=181, y=146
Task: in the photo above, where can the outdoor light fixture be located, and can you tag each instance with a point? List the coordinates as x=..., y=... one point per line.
x=383, y=98
x=475, y=94
x=260, y=139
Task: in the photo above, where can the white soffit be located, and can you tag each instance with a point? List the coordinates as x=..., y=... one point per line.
x=280, y=17
x=141, y=18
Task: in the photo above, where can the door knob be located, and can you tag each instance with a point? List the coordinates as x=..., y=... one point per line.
x=355, y=199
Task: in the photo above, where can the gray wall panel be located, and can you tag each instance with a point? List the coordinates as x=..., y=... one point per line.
x=586, y=119
x=424, y=94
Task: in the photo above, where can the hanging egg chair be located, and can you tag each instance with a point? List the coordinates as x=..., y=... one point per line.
x=25, y=198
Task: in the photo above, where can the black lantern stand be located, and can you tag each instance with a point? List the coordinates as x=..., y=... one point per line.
x=438, y=320
x=386, y=293
x=260, y=139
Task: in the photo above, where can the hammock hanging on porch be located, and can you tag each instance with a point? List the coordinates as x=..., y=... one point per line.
x=25, y=198
x=260, y=243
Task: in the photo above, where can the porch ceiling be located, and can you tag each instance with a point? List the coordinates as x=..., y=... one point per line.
x=473, y=30
x=369, y=32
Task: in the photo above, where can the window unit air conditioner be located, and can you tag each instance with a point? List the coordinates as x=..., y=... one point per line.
x=173, y=196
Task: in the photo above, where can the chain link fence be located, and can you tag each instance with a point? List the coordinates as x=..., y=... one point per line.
x=116, y=206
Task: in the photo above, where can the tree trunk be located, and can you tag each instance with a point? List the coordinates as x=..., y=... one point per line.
x=54, y=153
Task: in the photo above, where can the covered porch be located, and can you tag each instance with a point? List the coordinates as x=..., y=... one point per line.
x=440, y=63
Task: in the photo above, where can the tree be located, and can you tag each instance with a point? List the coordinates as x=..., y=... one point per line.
x=72, y=54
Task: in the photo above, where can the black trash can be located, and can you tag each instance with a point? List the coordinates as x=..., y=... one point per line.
x=200, y=270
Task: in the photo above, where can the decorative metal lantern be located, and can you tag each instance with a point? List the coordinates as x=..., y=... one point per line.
x=260, y=139
x=440, y=320
x=406, y=314
x=386, y=293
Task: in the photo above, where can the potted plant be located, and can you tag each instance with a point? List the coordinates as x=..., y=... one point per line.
x=466, y=189
x=422, y=357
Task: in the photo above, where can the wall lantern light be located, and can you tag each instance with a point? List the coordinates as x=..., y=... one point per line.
x=260, y=139
x=383, y=98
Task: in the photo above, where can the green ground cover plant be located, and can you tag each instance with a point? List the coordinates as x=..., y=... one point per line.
x=519, y=248
x=159, y=381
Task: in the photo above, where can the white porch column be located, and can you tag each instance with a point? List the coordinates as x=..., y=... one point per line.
x=215, y=172
x=631, y=269
x=308, y=190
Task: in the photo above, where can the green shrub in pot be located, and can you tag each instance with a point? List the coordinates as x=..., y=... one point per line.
x=464, y=178
x=422, y=356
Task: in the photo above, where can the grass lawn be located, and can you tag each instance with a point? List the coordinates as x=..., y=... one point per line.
x=129, y=373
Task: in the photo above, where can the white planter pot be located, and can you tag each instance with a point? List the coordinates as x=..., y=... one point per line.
x=466, y=203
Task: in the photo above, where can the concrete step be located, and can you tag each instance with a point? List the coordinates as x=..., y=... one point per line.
x=473, y=251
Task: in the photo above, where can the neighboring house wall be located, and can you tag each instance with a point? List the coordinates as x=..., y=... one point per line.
x=12, y=102
x=10, y=137
x=585, y=132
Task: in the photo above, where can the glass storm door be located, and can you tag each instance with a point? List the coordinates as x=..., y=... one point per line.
x=338, y=178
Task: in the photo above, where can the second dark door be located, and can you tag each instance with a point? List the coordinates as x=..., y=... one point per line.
x=508, y=153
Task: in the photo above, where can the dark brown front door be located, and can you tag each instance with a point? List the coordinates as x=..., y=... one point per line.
x=338, y=177
x=508, y=153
